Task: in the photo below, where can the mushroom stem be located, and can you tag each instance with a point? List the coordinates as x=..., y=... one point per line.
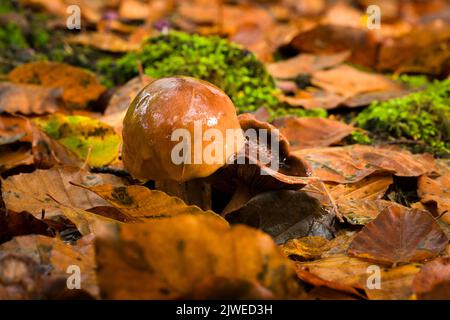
x=194, y=192
x=240, y=197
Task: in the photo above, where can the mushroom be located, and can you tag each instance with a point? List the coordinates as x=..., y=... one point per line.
x=180, y=108
x=248, y=175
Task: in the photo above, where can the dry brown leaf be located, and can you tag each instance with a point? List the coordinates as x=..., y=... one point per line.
x=305, y=63
x=341, y=272
x=312, y=132
x=137, y=203
x=167, y=258
x=29, y=98
x=399, y=235
x=327, y=39
x=313, y=100
x=350, y=164
x=33, y=192
x=80, y=86
x=349, y=81
x=35, y=267
x=307, y=248
x=122, y=98
x=436, y=192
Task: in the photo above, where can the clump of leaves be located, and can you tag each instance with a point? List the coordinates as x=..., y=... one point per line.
x=419, y=120
x=230, y=67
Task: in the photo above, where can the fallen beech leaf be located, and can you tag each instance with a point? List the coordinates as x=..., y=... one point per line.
x=305, y=63
x=436, y=192
x=103, y=41
x=285, y=215
x=350, y=164
x=316, y=99
x=399, y=235
x=307, y=248
x=29, y=98
x=312, y=132
x=361, y=202
x=80, y=86
x=431, y=274
x=167, y=258
x=327, y=39
x=124, y=95
x=341, y=272
x=424, y=49
x=137, y=203
x=396, y=283
x=14, y=129
x=361, y=212
x=42, y=264
x=88, y=138
x=30, y=191
x=348, y=81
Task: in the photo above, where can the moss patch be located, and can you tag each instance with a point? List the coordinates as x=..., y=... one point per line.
x=420, y=121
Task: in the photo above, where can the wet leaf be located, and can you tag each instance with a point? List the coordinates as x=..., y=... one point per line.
x=168, y=258
x=88, y=138
x=400, y=235
x=285, y=214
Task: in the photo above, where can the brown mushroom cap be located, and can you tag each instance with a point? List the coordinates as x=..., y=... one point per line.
x=174, y=103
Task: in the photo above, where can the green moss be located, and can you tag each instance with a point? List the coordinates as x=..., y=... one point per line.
x=420, y=120
x=232, y=68
x=11, y=36
x=284, y=110
x=413, y=81
x=360, y=137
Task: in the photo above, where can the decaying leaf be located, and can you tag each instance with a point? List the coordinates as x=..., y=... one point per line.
x=312, y=132
x=14, y=156
x=167, y=258
x=33, y=192
x=285, y=214
x=350, y=164
x=29, y=98
x=80, y=86
x=90, y=139
x=35, y=267
x=399, y=235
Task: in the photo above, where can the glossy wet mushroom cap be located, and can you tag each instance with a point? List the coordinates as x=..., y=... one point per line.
x=182, y=104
